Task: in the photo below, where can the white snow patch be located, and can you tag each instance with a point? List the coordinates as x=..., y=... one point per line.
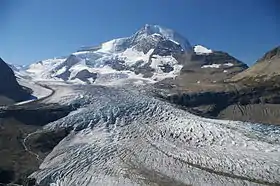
x=159, y=61
x=110, y=46
x=199, y=49
x=43, y=69
x=60, y=71
x=228, y=64
x=211, y=66
x=132, y=56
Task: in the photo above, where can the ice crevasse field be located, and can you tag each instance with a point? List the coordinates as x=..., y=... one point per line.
x=124, y=136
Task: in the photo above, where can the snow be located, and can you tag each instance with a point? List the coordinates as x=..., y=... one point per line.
x=158, y=61
x=60, y=71
x=110, y=46
x=81, y=53
x=211, y=66
x=218, y=65
x=123, y=137
x=229, y=64
x=157, y=35
x=96, y=63
x=39, y=91
x=199, y=49
x=42, y=69
x=132, y=56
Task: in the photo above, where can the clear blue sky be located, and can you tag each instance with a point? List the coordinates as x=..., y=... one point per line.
x=33, y=30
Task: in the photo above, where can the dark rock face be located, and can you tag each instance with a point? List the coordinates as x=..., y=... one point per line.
x=65, y=75
x=161, y=46
x=38, y=115
x=166, y=68
x=6, y=176
x=44, y=142
x=146, y=70
x=84, y=75
x=167, y=48
x=116, y=64
x=9, y=86
x=219, y=57
x=68, y=63
x=240, y=104
x=146, y=43
x=16, y=122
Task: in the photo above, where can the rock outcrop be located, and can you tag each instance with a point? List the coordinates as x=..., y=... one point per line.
x=265, y=71
x=10, y=89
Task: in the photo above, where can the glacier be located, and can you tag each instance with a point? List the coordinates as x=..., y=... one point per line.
x=124, y=136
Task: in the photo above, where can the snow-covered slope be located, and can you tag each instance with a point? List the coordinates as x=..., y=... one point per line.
x=148, y=54
x=125, y=137
x=43, y=69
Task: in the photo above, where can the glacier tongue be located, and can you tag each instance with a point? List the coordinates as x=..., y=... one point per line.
x=126, y=137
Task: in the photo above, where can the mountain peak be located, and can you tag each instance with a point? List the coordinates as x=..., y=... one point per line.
x=271, y=55
x=166, y=33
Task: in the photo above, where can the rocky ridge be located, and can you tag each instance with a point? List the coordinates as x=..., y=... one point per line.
x=10, y=90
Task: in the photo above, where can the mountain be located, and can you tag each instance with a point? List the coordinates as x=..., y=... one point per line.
x=265, y=71
x=96, y=134
x=150, y=53
x=10, y=90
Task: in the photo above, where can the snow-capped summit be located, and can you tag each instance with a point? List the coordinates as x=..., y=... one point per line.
x=166, y=33
x=199, y=49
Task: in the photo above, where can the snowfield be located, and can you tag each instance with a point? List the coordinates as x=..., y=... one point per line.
x=124, y=136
